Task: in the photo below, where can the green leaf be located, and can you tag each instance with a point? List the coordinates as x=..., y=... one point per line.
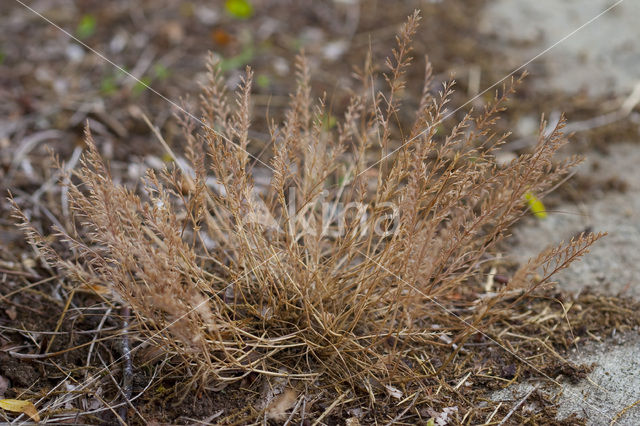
x=161, y=71
x=263, y=81
x=344, y=180
x=237, y=61
x=86, y=27
x=536, y=206
x=108, y=85
x=329, y=122
x=239, y=9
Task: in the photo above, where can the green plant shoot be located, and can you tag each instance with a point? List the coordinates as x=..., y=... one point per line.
x=86, y=27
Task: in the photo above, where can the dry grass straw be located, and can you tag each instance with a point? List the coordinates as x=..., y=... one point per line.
x=335, y=273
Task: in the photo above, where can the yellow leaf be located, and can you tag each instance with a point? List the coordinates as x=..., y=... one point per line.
x=536, y=206
x=18, y=406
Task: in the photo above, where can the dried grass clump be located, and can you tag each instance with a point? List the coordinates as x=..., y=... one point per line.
x=359, y=256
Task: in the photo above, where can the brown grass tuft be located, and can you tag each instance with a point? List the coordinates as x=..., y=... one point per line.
x=359, y=256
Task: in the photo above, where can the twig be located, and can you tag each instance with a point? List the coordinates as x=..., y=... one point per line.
x=493, y=414
x=52, y=354
x=621, y=412
x=28, y=143
x=55, y=177
x=295, y=410
x=60, y=320
x=333, y=405
x=43, y=408
x=206, y=421
x=304, y=411
x=621, y=113
x=399, y=416
x=98, y=330
x=111, y=408
x=20, y=273
x=127, y=373
x=515, y=407
x=144, y=62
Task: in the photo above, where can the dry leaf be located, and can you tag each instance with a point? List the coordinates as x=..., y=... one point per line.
x=18, y=406
x=11, y=313
x=221, y=37
x=394, y=392
x=277, y=409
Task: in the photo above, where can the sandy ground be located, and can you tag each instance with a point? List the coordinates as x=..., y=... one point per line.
x=589, y=45
x=610, y=388
x=613, y=265
x=602, y=58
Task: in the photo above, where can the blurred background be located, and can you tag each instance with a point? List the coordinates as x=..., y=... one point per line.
x=50, y=81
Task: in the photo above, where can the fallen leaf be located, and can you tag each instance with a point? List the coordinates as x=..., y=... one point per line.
x=394, y=392
x=277, y=409
x=221, y=37
x=11, y=313
x=442, y=419
x=18, y=406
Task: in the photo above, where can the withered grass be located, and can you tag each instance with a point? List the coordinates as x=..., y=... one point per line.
x=357, y=273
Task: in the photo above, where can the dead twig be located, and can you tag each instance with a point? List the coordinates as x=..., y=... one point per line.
x=515, y=407
x=330, y=408
x=399, y=416
x=621, y=413
x=97, y=332
x=127, y=371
